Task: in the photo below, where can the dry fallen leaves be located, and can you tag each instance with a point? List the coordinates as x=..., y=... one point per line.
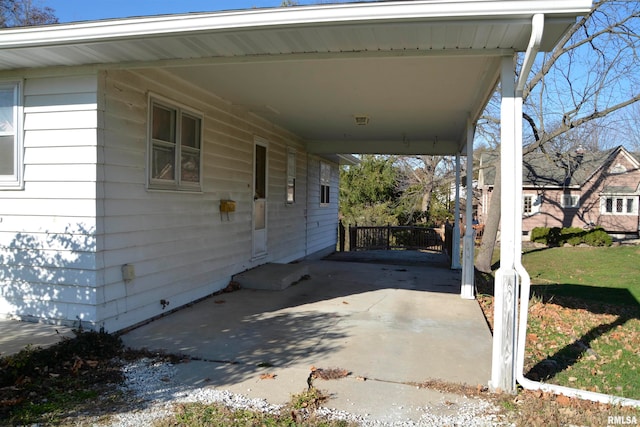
x=329, y=374
x=268, y=376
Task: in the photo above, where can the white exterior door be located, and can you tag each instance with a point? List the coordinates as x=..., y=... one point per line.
x=259, y=199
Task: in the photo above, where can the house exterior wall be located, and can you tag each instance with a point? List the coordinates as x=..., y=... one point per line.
x=590, y=209
x=48, y=241
x=86, y=211
x=550, y=212
x=183, y=248
x=621, y=172
x=611, y=176
x=322, y=223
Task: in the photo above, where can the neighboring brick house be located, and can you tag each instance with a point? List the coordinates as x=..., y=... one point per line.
x=579, y=189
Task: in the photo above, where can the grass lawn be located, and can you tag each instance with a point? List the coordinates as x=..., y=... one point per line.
x=584, y=318
x=609, y=275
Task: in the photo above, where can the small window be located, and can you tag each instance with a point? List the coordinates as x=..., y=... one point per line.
x=609, y=205
x=175, y=147
x=570, y=201
x=618, y=205
x=617, y=169
x=291, y=176
x=10, y=136
x=325, y=183
x=530, y=204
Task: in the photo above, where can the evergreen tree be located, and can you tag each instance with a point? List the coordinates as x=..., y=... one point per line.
x=368, y=191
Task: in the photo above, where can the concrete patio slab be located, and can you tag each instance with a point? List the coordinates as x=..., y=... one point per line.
x=390, y=326
x=16, y=335
x=271, y=276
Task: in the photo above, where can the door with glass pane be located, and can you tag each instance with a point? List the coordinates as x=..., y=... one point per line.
x=260, y=199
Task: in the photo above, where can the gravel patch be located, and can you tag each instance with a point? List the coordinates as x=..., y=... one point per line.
x=151, y=384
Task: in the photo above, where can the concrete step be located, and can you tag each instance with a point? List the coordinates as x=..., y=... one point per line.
x=271, y=276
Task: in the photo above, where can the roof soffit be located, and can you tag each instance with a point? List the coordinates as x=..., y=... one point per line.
x=420, y=69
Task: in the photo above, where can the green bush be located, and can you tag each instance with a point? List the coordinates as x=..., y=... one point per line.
x=597, y=237
x=575, y=240
x=572, y=235
x=553, y=238
x=557, y=236
x=539, y=234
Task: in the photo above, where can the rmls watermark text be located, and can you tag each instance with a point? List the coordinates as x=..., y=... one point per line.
x=622, y=420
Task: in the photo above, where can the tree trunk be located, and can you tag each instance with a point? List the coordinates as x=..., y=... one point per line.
x=426, y=199
x=492, y=222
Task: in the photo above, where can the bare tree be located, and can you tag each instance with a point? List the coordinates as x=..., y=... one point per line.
x=628, y=127
x=423, y=176
x=22, y=13
x=591, y=75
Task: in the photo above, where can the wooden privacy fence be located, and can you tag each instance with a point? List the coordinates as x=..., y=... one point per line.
x=394, y=237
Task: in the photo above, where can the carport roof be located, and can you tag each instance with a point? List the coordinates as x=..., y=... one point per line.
x=415, y=70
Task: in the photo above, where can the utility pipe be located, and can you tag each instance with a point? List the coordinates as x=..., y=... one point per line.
x=455, y=247
x=525, y=279
x=467, y=288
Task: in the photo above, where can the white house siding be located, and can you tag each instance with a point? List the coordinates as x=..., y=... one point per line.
x=47, y=230
x=286, y=222
x=322, y=223
x=181, y=246
x=85, y=210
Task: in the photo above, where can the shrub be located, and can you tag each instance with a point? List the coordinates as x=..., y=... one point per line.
x=553, y=238
x=539, y=234
x=597, y=237
x=573, y=235
x=575, y=240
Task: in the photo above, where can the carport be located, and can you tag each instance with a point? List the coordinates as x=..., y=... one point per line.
x=407, y=77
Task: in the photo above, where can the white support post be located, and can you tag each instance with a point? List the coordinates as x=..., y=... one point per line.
x=455, y=244
x=503, y=374
x=467, y=288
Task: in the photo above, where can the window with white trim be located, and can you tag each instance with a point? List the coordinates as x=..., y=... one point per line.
x=10, y=136
x=175, y=147
x=530, y=204
x=291, y=176
x=618, y=205
x=570, y=201
x=325, y=183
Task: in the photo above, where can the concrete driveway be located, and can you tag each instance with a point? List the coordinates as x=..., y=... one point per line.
x=390, y=322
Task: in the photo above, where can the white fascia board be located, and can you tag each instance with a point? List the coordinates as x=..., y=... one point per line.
x=129, y=28
x=348, y=159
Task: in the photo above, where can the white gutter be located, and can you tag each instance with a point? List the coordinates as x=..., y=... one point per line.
x=350, y=13
x=525, y=279
x=537, y=30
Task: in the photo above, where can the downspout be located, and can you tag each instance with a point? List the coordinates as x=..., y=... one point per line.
x=537, y=30
x=525, y=279
x=455, y=244
x=467, y=287
x=306, y=207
